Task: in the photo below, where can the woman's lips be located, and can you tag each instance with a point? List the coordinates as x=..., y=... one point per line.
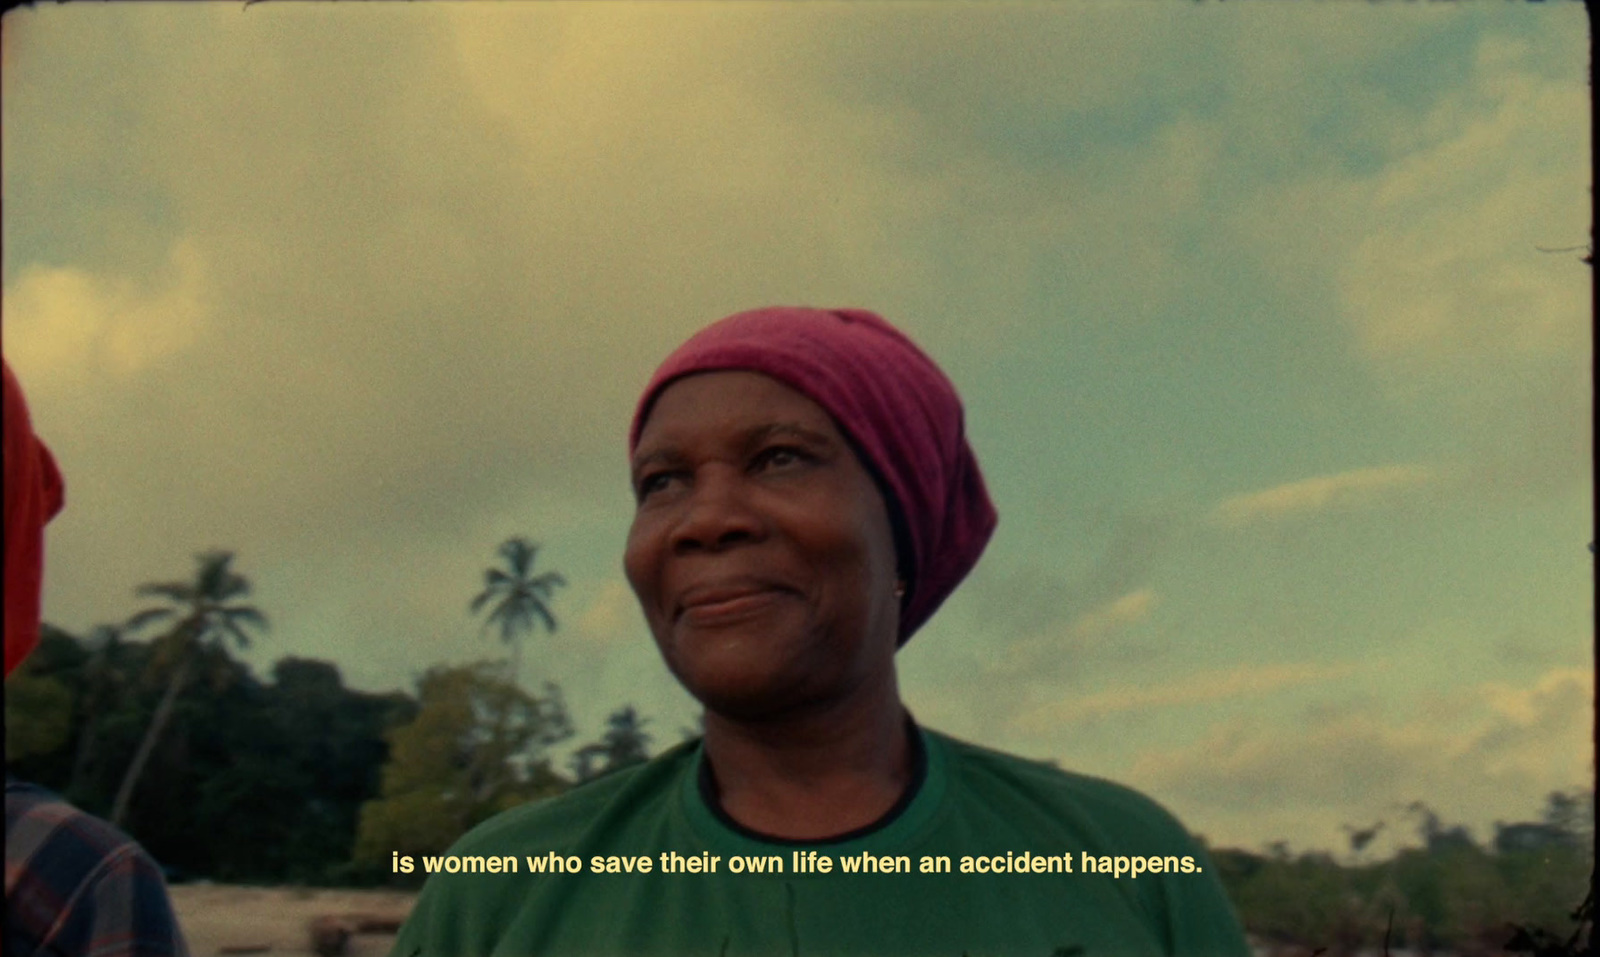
x=711, y=607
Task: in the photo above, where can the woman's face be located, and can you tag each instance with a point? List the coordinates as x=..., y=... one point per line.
x=760, y=549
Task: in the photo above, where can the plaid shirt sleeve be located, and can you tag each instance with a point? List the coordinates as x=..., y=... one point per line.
x=76, y=885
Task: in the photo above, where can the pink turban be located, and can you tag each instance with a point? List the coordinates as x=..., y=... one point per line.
x=896, y=406
x=34, y=494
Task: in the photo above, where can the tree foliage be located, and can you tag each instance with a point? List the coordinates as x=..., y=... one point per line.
x=38, y=713
x=270, y=777
x=477, y=746
x=624, y=743
x=1447, y=893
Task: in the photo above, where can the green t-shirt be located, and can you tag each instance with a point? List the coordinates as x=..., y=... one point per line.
x=973, y=808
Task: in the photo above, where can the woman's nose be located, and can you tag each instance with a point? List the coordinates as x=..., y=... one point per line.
x=717, y=513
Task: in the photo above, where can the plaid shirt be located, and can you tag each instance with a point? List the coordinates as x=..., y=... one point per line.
x=77, y=886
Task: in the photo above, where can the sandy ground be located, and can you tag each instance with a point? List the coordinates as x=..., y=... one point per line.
x=225, y=919
x=220, y=919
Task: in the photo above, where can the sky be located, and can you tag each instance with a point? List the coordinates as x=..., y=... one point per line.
x=1283, y=400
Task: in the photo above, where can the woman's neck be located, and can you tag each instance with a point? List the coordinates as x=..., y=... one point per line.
x=812, y=776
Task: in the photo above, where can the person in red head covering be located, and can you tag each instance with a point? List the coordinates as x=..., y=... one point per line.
x=805, y=500
x=74, y=884
x=33, y=494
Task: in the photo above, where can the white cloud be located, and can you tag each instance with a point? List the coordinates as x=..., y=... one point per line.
x=611, y=616
x=1448, y=262
x=1242, y=681
x=66, y=324
x=1430, y=257
x=1354, y=488
x=1125, y=610
x=1523, y=720
x=1489, y=755
x=1057, y=647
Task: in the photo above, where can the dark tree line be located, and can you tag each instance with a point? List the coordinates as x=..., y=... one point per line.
x=252, y=780
x=300, y=779
x=266, y=781
x=1448, y=893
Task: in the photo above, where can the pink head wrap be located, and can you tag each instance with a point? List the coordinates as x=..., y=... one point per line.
x=886, y=396
x=33, y=493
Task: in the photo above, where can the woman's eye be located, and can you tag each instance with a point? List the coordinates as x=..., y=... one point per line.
x=777, y=457
x=654, y=482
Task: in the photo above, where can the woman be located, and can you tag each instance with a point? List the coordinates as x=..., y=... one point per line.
x=806, y=499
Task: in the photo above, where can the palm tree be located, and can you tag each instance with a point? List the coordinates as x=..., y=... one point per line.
x=203, y=619
x=520, y=598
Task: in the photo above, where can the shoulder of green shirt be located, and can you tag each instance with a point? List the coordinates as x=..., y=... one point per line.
x=1192, y=912
x=1116, y=807
x=566, y=816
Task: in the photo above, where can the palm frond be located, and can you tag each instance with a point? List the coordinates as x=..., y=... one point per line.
x=217, y=580
x=234, y=586
x=214, y=572
x=105, y=636
x=239, y=636
x=246, y=614
x=519, y=554
x=142, y=618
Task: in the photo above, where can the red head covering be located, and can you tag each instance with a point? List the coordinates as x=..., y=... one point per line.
x=34, y=494
x=891, y=400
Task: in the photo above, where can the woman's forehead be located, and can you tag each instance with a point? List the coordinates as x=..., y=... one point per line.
x=729, y=402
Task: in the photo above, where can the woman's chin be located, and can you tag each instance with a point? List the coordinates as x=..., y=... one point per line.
x=739, y=681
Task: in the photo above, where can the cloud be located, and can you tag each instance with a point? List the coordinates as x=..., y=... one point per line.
x=1425, y=256
x=1416, y=242
x=1123, y=549
x=69, y=326
x=1521, y=717
x=1241, y=681
x=1341, y=490
x=1037, y=630
x=1491, y=754
x=1126, y=610
x=611, y=616
x=1062, y=647
x=1448, y=261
